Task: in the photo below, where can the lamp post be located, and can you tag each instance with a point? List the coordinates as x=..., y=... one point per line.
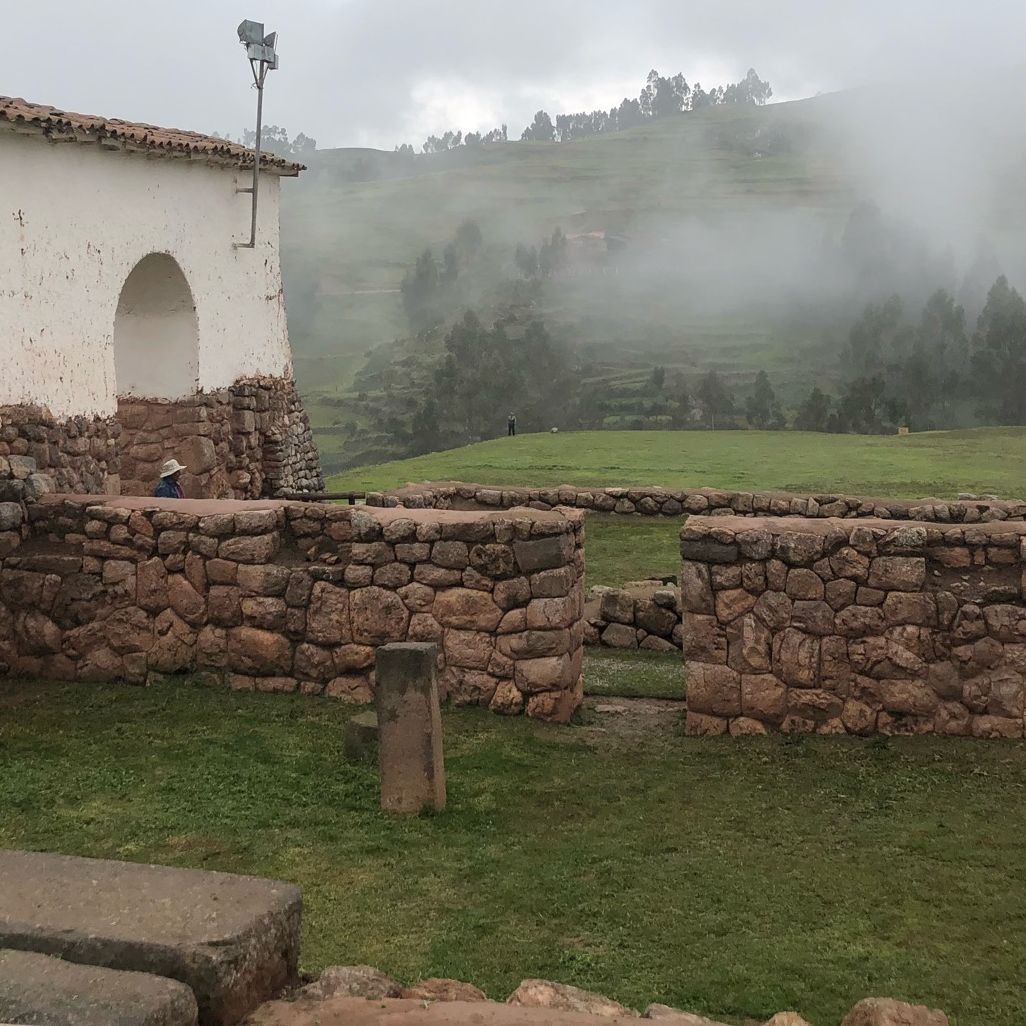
x=262, y=59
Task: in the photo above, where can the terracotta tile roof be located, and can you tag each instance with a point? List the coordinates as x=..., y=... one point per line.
x=62, y=125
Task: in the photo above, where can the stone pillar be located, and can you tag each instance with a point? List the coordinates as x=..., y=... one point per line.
x=410, y=758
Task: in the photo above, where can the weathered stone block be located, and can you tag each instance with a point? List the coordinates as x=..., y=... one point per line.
x=555, y=583
x=840, y=593
x=533, y=644
x=378, y=616
x=233, y=940
x=494, y=560
x=749, y=645
x=554, y=613
x=410, y=758
x=548, y=673
x=798, y=548
x=186, y=601
x=259, y=548
x=706, y=550
x=813, y=617
x=39, y=989
x=252, y=650
x=849, y=563
x=859, y=621
x=705, y=641
x=264, y=611
x=619, y=635
x=773, y=608
x=413, y=552
x=263, y=579
x=733, y=603
x=617, y=607
x=696, y=587
x=725, y=576
x=327, y=620
x=654, y=618
x=470, y=649
x=713, y=689
x=763, y=697
x=544, y=553
x=700, y=725
x=888, y=1012
x=804, y=584
x=796, y=658
x=897, y=573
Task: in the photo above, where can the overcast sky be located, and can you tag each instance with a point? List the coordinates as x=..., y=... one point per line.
x=379, y=72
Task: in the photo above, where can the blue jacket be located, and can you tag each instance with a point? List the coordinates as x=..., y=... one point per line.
x=168, y=489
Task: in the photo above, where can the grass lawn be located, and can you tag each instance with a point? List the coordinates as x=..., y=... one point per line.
x=734, y=879
x=940, y=463
x=620, y=549
x=616, y=673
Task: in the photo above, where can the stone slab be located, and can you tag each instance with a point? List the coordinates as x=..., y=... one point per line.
x=37, y=990
x=234, y=940
x=410, y=759
x=360, y=1012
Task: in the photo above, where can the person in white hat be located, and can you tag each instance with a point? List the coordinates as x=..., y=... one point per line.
x=168, y=486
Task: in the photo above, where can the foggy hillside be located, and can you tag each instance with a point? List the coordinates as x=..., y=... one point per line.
x=735, y=238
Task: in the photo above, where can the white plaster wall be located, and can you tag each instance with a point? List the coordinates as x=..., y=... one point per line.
x=74, y=221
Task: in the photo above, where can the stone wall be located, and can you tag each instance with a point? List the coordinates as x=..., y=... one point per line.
x=651, y=500
x=243, y=442
x=40, y=454
x=278, y=596
x=833, y=627
x=644, y=615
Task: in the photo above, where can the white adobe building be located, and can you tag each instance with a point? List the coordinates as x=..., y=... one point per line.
x=122, y=287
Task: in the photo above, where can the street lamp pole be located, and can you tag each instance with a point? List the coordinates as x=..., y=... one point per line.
x=262, y=58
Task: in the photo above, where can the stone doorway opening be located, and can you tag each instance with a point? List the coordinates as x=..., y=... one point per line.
x=162, y=413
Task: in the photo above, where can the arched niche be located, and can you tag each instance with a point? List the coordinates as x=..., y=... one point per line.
x=156, y=340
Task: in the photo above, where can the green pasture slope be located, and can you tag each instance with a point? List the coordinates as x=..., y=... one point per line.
x=934, y=463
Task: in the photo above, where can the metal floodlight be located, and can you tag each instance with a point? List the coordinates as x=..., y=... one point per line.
x=260, y=49
x=251, y=32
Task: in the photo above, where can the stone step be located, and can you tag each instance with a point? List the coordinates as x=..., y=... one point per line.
x=37, y=990
x=234, y=940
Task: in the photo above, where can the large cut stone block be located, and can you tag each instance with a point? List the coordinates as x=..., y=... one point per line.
x=234, y=940
x=409, y=727
x=49, y=991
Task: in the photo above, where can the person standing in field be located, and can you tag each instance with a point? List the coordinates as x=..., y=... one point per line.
x=511, y=425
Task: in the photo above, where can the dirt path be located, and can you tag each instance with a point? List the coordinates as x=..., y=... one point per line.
x=631, y=717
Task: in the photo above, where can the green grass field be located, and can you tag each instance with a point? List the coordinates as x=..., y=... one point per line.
x=731, y=879
x=615, y=673
x=619, y=549
x=940, y=463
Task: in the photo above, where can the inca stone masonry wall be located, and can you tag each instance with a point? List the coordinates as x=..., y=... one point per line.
x=833, y=627
x=39, y=454
x=244, y=442
x=651, y=500
x=640, y=614
x=278, y=596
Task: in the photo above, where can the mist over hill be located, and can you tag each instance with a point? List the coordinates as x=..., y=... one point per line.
x=733, y=239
